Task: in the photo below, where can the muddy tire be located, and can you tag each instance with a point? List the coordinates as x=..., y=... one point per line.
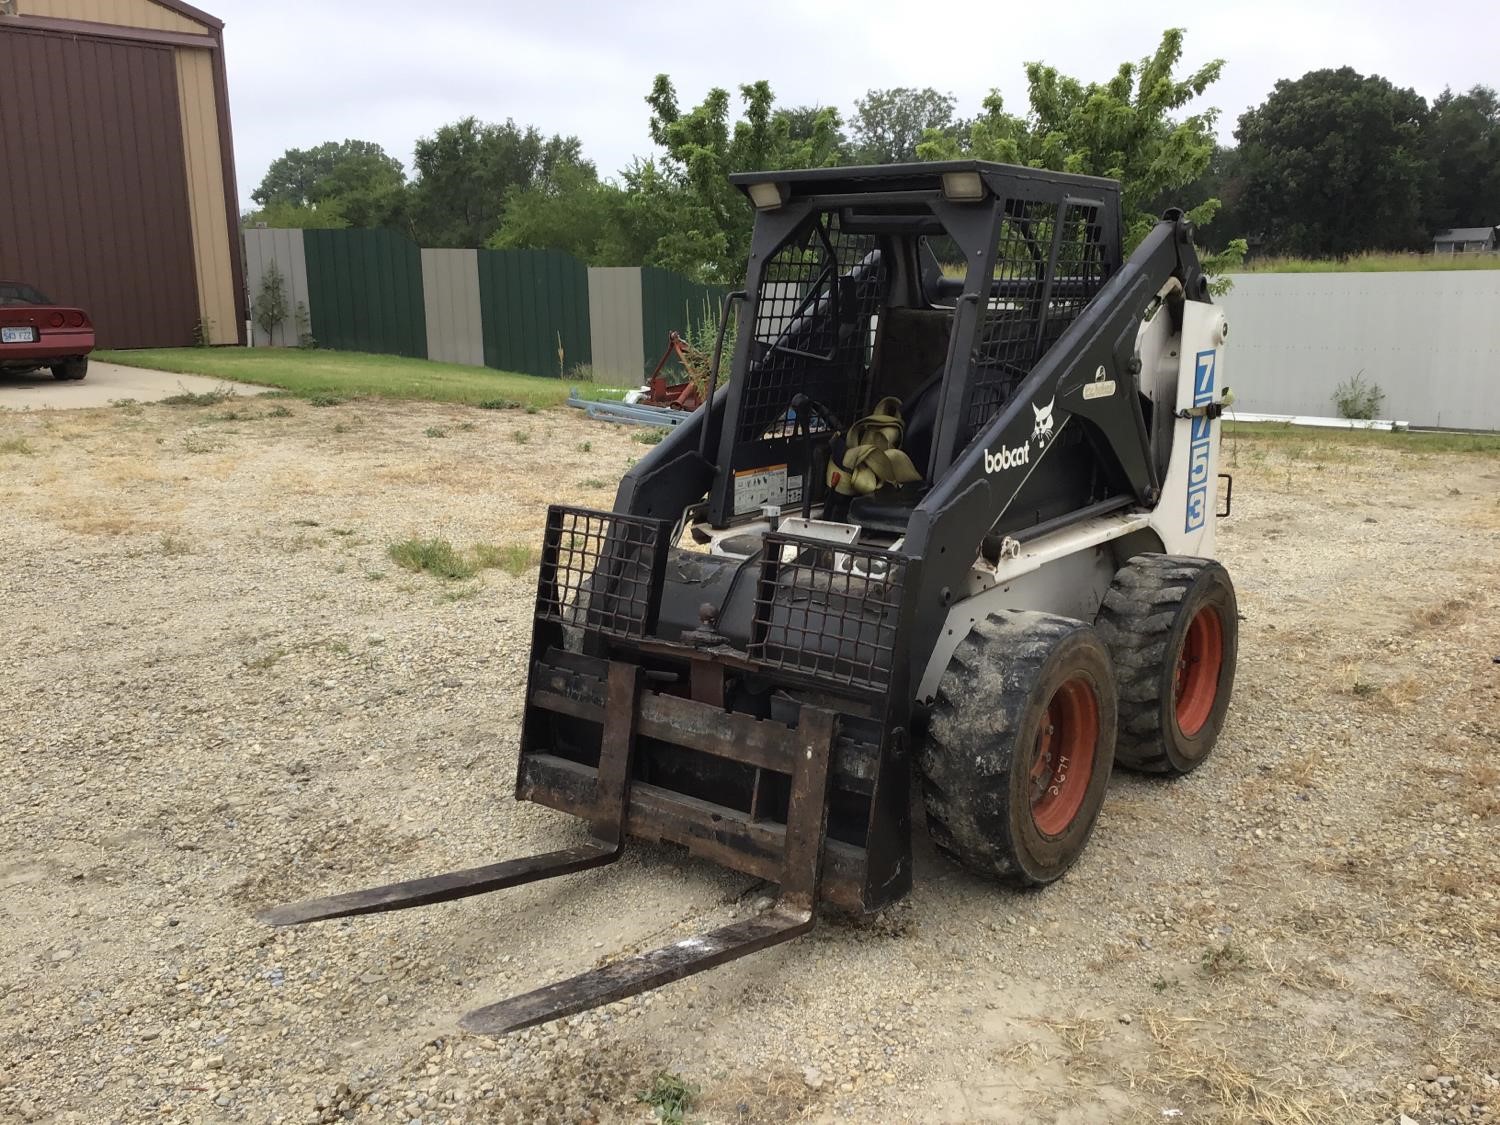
x=1019, y=746
x=1172, y=627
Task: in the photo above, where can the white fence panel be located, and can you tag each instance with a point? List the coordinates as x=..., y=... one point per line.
x=1430, y=340
x=284, y=247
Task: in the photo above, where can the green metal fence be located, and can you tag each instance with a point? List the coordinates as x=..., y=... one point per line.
x=535, y=305
x=364, y=291
x=520, y=310
x=670, y=302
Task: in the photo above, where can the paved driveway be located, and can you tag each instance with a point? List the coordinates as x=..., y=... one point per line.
x=106, y=383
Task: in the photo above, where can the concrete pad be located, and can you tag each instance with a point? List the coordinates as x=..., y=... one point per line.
x=106, y=383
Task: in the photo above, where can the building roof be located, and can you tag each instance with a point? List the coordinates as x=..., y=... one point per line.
x=1465, y=234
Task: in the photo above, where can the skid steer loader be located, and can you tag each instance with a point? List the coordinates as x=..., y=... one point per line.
x=950, y=515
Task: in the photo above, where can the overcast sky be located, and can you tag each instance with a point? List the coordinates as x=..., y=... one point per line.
x=310, y=71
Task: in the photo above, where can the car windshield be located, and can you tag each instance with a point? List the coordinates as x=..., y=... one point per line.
x=15, y=293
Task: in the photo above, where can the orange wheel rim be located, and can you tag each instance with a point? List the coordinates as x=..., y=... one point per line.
x=1063, y=762
x=1198, y=665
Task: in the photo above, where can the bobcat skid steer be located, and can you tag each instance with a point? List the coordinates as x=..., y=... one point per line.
x=949, y=518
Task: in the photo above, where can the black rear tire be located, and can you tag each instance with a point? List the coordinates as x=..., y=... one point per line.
x=1172, y=627
x=1019, y=746
x=71, y=369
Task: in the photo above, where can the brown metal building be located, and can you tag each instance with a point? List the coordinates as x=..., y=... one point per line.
x=117, y=187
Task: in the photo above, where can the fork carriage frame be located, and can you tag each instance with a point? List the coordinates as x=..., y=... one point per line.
x=687, y=705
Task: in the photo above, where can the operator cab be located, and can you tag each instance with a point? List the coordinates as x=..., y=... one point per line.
x=914, y=288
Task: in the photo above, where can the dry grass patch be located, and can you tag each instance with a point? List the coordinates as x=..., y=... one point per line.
x=1276, y=1095
x=1443, y=614
x=1396, y=694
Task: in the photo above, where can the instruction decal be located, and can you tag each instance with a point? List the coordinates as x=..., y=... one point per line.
x=755, y=488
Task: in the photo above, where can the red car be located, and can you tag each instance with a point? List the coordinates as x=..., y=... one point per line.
x=35, y=332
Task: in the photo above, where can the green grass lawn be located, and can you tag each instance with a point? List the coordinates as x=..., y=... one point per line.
x=1372, y=263
x=357, y=374
x=1428, y=441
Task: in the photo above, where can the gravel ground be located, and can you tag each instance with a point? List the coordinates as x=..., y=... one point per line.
x=218, y=693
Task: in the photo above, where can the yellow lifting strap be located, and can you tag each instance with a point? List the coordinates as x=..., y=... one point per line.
x=872, y=453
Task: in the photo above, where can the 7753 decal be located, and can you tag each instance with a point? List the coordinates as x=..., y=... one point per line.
x=1198, y=458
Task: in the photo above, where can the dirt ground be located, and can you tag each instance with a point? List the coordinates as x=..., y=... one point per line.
x=218, y=693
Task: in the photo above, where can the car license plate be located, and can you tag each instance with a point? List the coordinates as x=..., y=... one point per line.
x=25, y=335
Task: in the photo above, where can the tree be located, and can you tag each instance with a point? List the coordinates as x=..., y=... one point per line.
x=574, y=213
x=326, y=216
x=466, y=171
x=888, y=125
x=1461, y=142
x=356, y=180
x=1125, y=129
x=804, y=123
x=1224, y=180
x=1334, y=165
x=704, y=219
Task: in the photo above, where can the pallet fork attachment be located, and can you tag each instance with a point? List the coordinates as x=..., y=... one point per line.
x=791, y=917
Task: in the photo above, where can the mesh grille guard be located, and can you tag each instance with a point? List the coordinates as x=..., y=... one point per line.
x=831, y=613
x=602, y=571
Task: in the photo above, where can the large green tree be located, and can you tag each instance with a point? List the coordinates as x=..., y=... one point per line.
x=1461, y=141
x=1132, y=128
x=337, y=183
x=705, y=221
x=887, y=125
x=466, y=171
x=1334, y=165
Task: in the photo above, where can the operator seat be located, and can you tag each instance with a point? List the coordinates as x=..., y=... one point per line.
x=889, y=508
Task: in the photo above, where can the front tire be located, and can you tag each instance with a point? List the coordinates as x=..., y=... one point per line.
x=1020, y=746
x=71, y=369
x=1172, y=627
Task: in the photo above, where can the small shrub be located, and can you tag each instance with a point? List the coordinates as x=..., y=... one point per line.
x=467, y=427
x=203, y=333
x=670, y=1096
x=322, y=398
x=521, y=437
x=215, y=397
x=269, y=309
x=499, y=404
x=305, y=339
x=533, y=408
x=1221, y=960
x=593, y=482
x=581, y=373
x=278, y=411
x=435, y=431
x=173, y=545
x=650, y=437
x=586, y=447
x=16, y=445
x=432, y=556
x=261, y=663
x=1358, y=399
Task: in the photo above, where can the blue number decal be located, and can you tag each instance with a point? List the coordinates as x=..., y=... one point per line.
x=1202, y=430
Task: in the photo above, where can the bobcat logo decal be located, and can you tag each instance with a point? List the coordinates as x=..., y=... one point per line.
x=1041, y=433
